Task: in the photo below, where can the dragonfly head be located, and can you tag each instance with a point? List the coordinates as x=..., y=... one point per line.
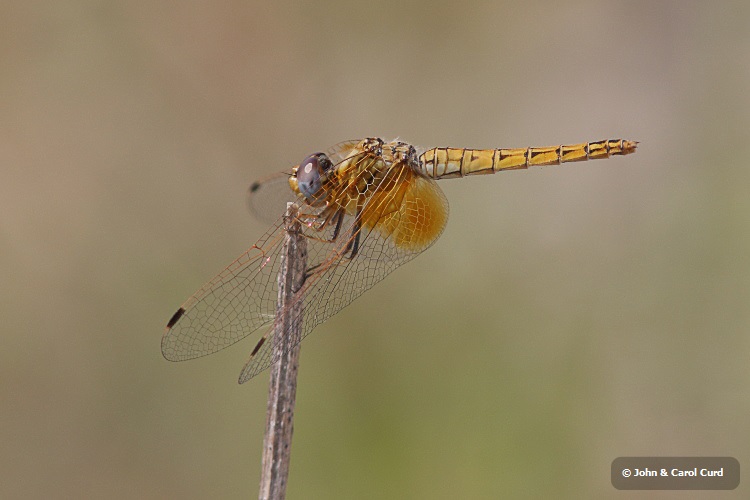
x=310, y=176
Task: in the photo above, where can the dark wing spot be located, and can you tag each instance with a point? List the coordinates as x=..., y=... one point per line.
x=176, y=317
x=257, y=347
x=254, y=186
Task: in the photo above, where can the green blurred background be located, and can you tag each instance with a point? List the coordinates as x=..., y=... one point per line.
x=567, y=316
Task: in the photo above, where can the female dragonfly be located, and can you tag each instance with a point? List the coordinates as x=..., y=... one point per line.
x=365, y=208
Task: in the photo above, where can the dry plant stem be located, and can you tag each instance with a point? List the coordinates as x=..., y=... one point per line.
x=277, y=443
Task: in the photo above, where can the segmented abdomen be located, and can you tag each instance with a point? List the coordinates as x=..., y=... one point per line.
x=441, y=163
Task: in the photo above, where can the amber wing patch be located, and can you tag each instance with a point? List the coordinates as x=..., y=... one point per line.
x=409, y=209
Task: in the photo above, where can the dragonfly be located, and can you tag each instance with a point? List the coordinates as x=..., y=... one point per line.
x=365, y=207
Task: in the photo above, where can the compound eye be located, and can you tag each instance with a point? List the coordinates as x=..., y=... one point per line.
x=310, y=173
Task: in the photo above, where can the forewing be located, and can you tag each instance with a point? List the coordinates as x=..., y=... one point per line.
x=236, y=302
x=267, y=198
x=402, y=217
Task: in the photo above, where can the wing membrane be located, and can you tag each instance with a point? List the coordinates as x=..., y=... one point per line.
x=232, y=305
x=267, y=198
x=401, y=217
x=397, y=237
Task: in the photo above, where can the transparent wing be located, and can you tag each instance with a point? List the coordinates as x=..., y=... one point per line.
x=267, y=198
x=401, y=217
x=236, y=302
x=396, y=227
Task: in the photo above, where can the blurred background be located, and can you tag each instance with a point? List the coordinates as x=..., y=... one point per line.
x=567, y=316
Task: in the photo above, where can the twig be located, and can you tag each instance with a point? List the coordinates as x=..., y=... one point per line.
x=277, y=443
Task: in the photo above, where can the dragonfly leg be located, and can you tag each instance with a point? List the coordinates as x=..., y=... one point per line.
x=353, y=246
x=316, y=221
x=339, y=216
x=339, y=219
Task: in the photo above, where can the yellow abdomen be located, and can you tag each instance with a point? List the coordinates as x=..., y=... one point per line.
x=441, y=163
